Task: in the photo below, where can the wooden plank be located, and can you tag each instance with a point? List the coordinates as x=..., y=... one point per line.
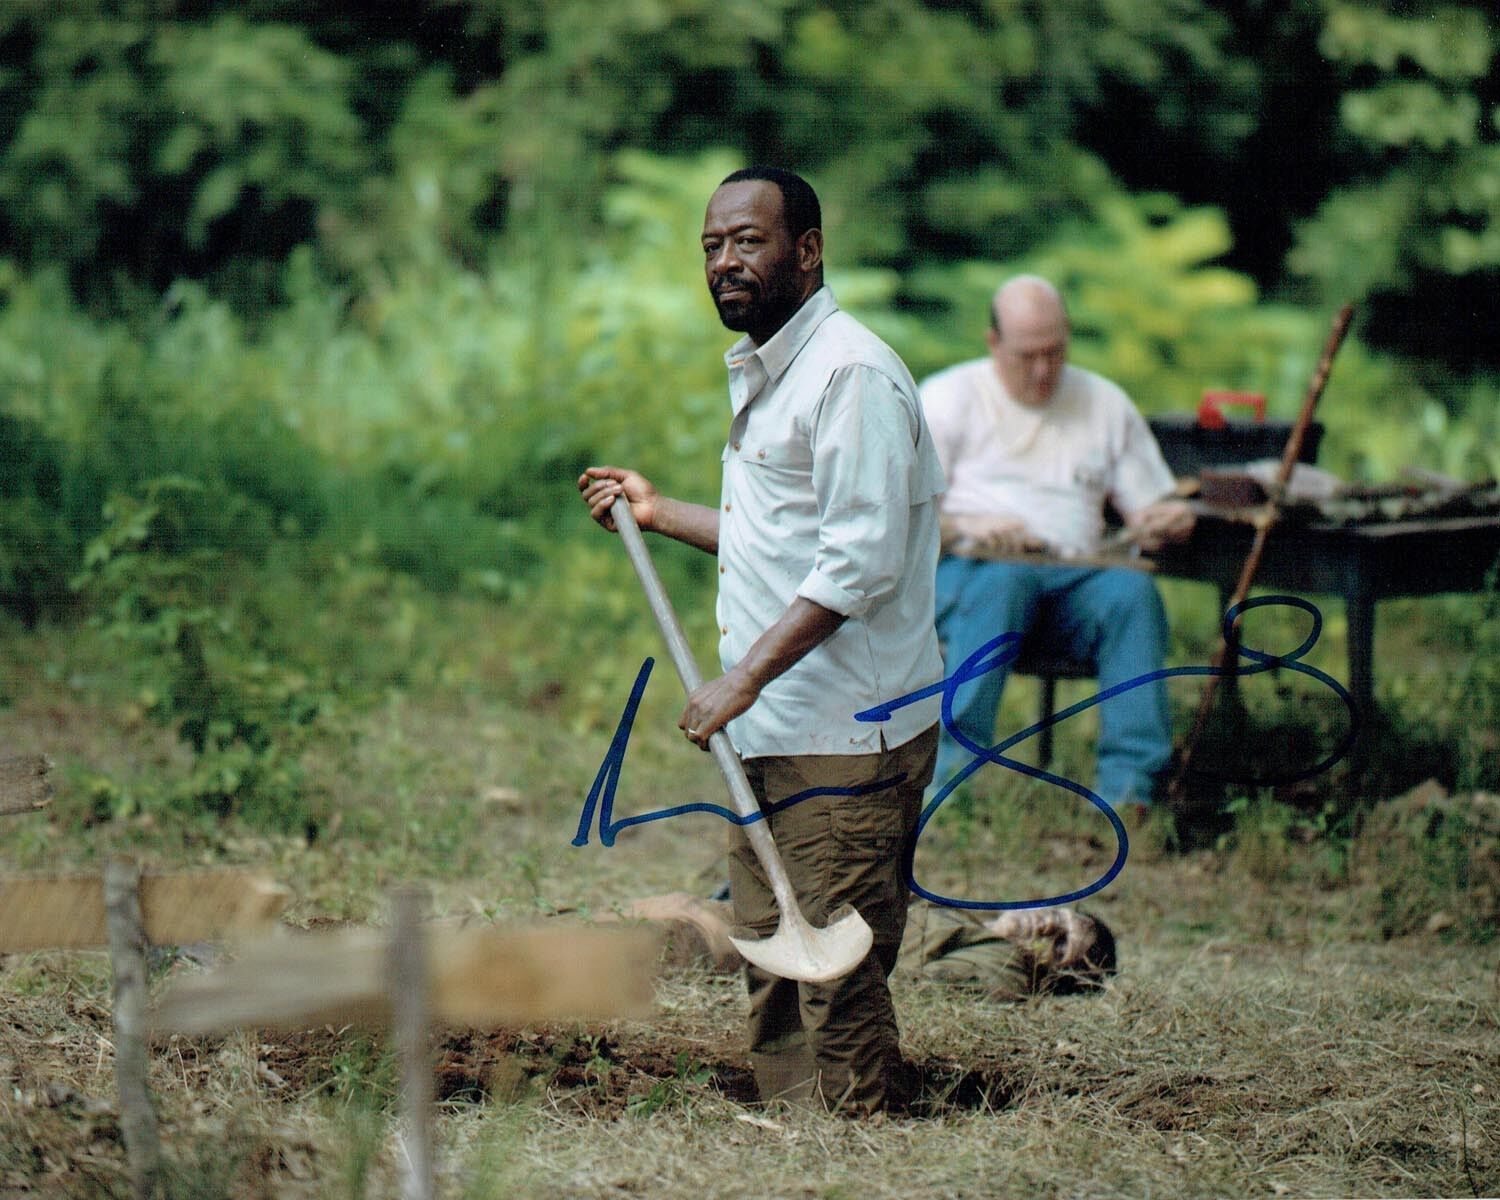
x=62, y=912
x=1105, y=560
x=24, y=785
x=127, y=956
x=480, y=977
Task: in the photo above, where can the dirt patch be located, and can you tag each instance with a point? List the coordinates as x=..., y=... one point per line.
x=604, y=1079
x=589, y=1073
x=941, y=1086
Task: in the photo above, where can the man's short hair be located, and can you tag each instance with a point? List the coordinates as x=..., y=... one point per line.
x=799, y=203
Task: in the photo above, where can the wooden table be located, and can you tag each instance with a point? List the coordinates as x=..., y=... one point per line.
x=1362, y=563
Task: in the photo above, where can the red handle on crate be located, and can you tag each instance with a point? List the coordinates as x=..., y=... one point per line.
x=1211, y=407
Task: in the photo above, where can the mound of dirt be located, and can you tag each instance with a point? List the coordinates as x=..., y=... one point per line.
x=1434, y=861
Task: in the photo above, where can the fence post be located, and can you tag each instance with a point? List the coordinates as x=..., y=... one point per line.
x=127, y=955
x=410, y=985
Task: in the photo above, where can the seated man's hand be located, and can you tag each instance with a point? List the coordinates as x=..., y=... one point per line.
x=1158, y=524
x=981, y=535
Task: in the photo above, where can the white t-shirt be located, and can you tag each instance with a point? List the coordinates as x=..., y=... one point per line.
x=1051, y=466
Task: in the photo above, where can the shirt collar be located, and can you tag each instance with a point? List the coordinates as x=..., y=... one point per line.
x=777, y=354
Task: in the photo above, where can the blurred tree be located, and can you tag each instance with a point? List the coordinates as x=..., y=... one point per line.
x=159, y=148
x=1413, y=225
x=162, y=140
x=144, y=141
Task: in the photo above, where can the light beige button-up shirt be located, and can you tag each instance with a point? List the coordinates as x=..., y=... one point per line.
x=830, y=486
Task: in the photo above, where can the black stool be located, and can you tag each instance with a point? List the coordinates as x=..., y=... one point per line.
x=1048, y=669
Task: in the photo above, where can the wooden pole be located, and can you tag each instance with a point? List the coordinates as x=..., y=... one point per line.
x=410, y=985
x=24, y=786
x=1266, y=519
x=127, y=953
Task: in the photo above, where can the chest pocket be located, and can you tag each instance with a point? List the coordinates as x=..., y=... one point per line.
x=791, y=456
x=1091, y=477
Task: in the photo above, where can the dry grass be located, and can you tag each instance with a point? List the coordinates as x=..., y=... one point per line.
x=1263, y=1036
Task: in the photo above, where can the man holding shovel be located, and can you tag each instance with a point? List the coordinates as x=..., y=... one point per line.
x=827, y=541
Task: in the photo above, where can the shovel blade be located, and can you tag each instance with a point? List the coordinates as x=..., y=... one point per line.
x=798, y=951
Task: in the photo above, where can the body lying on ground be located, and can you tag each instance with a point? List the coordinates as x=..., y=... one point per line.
x=1009, y=956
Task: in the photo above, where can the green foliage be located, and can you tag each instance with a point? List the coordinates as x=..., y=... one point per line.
x=361, y=1085
x=164, y=573
x=1153, y=310
x=1477, y=694
x=382, y=289
x=673, y=1094
x=1420, y=206
x=209, y=141
x=167, y=145
x=37, y=545
x=261, y=109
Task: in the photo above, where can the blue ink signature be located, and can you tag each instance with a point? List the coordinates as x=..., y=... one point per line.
x=993, y=654
x=601, y=797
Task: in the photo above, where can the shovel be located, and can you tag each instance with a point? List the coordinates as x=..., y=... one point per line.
x=796, y=950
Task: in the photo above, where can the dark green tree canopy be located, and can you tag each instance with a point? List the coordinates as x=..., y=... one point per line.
x=1352, y=143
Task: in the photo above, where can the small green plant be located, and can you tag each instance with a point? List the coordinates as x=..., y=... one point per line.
x=599, y=1065
x=361, y=1084
x=1260, y=839
x=38, y=546
x=675, y=1093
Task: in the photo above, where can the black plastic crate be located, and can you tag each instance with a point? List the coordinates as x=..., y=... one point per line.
x=1188, y=447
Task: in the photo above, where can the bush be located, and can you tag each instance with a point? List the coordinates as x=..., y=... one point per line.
x=38, y=547
x=165, y=574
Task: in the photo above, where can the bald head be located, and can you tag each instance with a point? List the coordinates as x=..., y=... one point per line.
x=1028, y=338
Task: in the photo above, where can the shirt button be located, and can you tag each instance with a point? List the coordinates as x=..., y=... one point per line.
x=758, y=453
x=722, y=570
x=726, y=508
x=724, y=629
x=735, y=446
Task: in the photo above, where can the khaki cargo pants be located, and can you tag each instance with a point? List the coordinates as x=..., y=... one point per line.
x=835, y=1042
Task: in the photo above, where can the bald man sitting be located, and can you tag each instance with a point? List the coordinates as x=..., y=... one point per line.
x=1033, y=448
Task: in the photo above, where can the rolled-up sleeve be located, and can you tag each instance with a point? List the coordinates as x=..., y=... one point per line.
x=1141, y=475
x=864, y=437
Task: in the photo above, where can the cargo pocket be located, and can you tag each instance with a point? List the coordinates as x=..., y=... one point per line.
x=866, y=829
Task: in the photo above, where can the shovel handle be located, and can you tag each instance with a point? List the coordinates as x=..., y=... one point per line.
x=687, y=670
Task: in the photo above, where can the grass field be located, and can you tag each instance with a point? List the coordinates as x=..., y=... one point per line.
x=1296, y=1013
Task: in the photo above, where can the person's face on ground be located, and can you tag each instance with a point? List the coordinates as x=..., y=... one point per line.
x=757, y=272
x=1032, y=346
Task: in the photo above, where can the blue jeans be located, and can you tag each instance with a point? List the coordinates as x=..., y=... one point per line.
x=1113, y=616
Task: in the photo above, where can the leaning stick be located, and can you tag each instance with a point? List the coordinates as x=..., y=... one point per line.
x=1265, y=519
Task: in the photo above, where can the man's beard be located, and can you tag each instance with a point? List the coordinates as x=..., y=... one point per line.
x=758, y=309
